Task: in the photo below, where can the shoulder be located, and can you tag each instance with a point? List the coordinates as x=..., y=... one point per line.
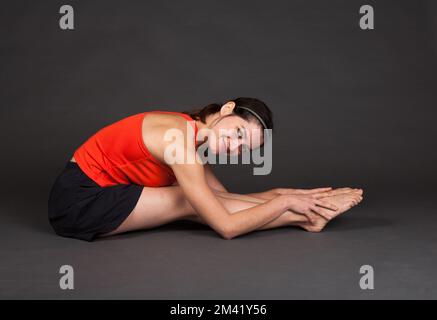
x=164, y=121
x=160, y=127
x=161, y=130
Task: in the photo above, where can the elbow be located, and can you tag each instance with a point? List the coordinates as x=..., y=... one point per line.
x=227, y=236
x=227, y=233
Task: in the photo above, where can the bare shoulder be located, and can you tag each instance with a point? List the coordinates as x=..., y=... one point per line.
x=158, y=127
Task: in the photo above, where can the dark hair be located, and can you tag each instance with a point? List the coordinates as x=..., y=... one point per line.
x=254, y=105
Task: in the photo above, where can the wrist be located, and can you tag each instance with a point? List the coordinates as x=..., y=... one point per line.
x=277, y=191
x=285, y=201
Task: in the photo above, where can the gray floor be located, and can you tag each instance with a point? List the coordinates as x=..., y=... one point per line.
x=188, y=261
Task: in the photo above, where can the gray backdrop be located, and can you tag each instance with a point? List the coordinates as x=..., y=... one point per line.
x=351, y=107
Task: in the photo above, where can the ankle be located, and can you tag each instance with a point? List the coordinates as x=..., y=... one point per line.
x=295, y=219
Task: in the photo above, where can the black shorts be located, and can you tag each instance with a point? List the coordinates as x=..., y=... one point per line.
x=80, y=208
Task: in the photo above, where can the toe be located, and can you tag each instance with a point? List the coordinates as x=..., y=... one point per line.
x=358, y=191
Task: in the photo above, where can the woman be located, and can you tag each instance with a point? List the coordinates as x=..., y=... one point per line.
x=121, y=179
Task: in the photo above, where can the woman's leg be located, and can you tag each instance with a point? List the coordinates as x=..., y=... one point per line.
x=156, y=207
x=159, y=206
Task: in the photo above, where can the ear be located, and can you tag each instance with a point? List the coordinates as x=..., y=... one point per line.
x=227, y=108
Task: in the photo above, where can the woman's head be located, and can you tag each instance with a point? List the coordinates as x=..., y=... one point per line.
x=236, y=124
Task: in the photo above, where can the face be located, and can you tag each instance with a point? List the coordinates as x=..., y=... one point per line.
x=233, y=134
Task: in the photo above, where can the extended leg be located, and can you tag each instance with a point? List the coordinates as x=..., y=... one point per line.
x=159, y=206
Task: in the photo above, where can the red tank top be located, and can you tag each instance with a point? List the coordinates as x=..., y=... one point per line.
x=117, y=154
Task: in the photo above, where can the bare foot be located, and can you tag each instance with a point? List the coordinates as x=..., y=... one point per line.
x=337, y=191
x=343, y=201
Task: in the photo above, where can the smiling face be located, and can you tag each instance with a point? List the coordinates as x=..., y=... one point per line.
x=232, y=134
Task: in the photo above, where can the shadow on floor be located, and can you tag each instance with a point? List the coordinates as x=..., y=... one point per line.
x=357, y=223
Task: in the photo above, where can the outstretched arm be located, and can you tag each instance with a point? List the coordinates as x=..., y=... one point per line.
x=256, y=199
x=212, y=180
x=192, y=180
x=316, y=193
x=233, y=205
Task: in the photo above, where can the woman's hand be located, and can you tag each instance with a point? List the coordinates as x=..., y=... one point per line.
x=309, y=206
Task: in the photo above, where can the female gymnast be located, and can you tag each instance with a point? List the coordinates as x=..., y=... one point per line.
x=121, y=179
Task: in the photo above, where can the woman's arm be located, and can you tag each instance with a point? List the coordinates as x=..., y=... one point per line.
x=270, y=194
x=266, y=195
x=251, y=197
x=192, y=180
x=212, y=180
x=193, y=183
x=254, y=199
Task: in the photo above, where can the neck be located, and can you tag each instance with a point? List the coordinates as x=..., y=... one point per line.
x=210, y=121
